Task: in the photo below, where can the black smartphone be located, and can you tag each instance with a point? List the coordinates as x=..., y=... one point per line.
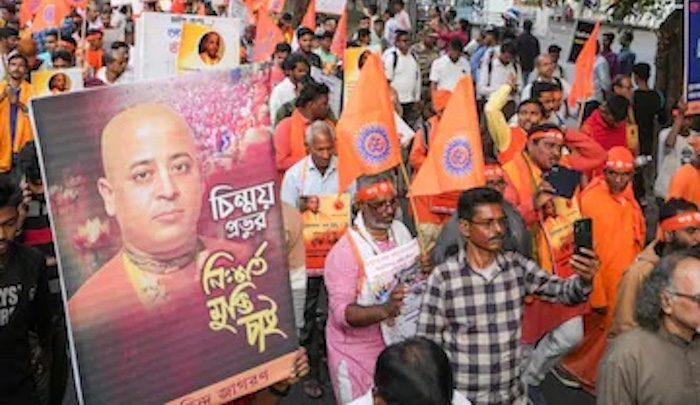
x=583, y=235
x=563, y=179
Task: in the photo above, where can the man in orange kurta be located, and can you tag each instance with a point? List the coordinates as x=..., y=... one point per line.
x=15, y=127
x=685, y=183
x=618, y=236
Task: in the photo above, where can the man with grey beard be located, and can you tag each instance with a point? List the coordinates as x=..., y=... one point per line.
x=659, y=362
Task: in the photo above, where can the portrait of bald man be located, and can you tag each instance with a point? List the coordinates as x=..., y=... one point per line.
x=142, y=318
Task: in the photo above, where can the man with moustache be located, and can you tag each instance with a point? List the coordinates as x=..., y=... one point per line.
x=129, y=318
x=657, y=363
x=16, y=129
x=679, y=229
x=353, y=333
x=474, y=302
x=209, y=48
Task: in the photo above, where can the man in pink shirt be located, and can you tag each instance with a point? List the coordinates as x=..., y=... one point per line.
x=353, y=333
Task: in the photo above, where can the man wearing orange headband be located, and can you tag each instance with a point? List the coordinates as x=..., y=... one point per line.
x=556, y=327
x=353, y=334
x=685, y=183
x=510, y=141
x=619, y=232
x=679, y=229
x=516, y=239
x=94, y=52
x=430, y=217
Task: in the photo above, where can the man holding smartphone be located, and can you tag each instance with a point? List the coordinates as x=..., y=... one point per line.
x=617, y=220
x=556, y=328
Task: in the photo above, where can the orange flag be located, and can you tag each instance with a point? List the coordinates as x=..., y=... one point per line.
x=309, y=20
x=267, y=36
x=455, y=160
x=367, y=141
x=340, y=38
x=76, y=3
x=27, y=11
x=49, y=15
x=582, y=86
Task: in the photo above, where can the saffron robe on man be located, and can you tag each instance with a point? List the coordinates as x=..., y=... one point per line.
x=618, y=236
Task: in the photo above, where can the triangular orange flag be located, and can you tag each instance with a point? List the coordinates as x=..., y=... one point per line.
x=309, y=20
x=81, y=4
x=340, y=41
x=267, y=36
x=455, y=160
x=582, y=86
x=50, y=15
x=27, y=11
x=367, y=142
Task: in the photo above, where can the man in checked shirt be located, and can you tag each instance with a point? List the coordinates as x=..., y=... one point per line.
x=474, y=302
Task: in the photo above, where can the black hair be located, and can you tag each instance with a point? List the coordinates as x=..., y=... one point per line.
x=69, y=39
x=6, y=32
x=18, y=55
x=527, y=25
x=544, y=87
x=675, y=206
x=286, y=17
x=617, y=106
x=544, y=127
x=65, y=55
x=610, y=36
x=618, y=79
x=533, y=101
x=465, y=25
x=414, y=372
x=326, y=35
x=311, y=91
x=363, y=32
x=509, y=47
x=554, y=49
x=470, y=199
x=119, y=45
x=642, y=70
x=29, y=163
x=10, y=193
x=53, y=33
x=292, y=60
x=400, y=33
x=302, y=31
x=456, y=44
x=373, y=9
x=283, y=47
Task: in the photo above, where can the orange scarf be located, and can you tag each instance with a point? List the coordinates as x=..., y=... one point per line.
x=94, y=58
x=23, y=130
x=298, y=135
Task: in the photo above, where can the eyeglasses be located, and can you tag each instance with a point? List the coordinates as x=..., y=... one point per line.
x=695, y=298
x=491, y=223
x=382, y=205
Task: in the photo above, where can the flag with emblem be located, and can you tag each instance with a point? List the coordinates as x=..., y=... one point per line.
x=267, y=36
x=50, y=14
x=455, y=159
x=582, y=86
x=367, y=141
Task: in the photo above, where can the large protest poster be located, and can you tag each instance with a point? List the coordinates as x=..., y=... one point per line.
x=158, y=38
x=581, y=33
x=171, y=250
x=384, y=272
x=204, y=47
x=56, y=81
x=692, y=55
x=353, y=57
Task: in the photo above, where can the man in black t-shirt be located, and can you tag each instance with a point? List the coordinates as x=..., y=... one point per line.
x=23, y=302
x=648, y=107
